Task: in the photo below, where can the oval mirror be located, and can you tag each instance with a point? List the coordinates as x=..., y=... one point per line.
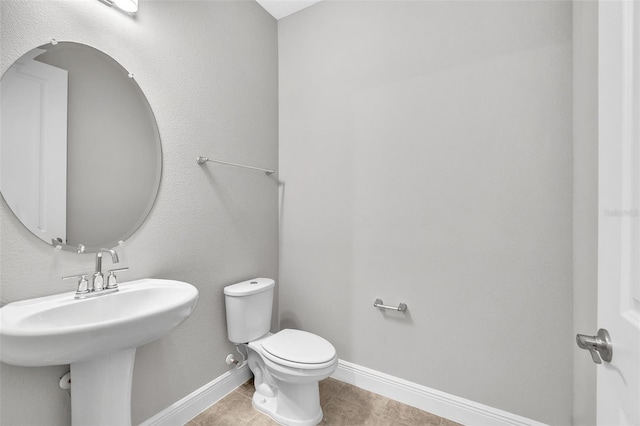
x=80, y=154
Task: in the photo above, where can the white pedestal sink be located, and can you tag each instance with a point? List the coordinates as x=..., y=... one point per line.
x=98, y=336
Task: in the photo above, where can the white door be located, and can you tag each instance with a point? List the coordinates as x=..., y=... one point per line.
x=33, y=145
x=619, y=214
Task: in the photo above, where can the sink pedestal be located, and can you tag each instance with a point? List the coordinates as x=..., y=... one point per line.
x=101, y=390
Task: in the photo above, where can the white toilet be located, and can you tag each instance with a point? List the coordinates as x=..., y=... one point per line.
x=288, y=365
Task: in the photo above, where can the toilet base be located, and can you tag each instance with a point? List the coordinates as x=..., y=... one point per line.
x=298, y=406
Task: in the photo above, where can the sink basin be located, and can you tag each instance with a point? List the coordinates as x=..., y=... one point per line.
x=59, y=329
x=97, y=336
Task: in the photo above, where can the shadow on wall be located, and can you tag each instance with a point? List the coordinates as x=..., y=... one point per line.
x=289, y=319
x=393, y=316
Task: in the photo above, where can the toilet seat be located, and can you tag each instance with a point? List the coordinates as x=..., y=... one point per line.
x=298, y=349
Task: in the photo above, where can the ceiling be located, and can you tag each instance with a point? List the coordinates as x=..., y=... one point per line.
x=281, y=8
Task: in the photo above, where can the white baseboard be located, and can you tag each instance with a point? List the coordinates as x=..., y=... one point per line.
x=439, y=403
x=196, y=402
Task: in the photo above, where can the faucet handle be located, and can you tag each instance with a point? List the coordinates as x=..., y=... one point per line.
x=83, y=284
x=112, y=281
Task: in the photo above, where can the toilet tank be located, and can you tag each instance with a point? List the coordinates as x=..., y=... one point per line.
x=249, y=305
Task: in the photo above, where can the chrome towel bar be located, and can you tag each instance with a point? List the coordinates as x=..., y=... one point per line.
x=202, y=160
x=380, y=304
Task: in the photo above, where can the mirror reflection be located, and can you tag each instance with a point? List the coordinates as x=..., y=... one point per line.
x=80, y=154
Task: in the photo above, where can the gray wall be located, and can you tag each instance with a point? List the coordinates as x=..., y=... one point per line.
x=209, y=71
x=426, y=155
x=585, y=202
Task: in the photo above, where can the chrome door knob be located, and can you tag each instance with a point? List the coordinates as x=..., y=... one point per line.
x=599, y=346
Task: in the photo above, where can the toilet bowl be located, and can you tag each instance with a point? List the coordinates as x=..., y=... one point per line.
x=287, y=365
x=286, y=375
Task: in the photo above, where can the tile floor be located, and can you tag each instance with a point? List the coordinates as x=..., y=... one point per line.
x=342, y=404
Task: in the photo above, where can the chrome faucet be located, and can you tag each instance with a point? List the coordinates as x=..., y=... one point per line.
x=98, y=278
x=97, y=285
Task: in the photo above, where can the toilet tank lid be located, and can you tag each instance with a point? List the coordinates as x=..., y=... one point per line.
x=246, y=288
